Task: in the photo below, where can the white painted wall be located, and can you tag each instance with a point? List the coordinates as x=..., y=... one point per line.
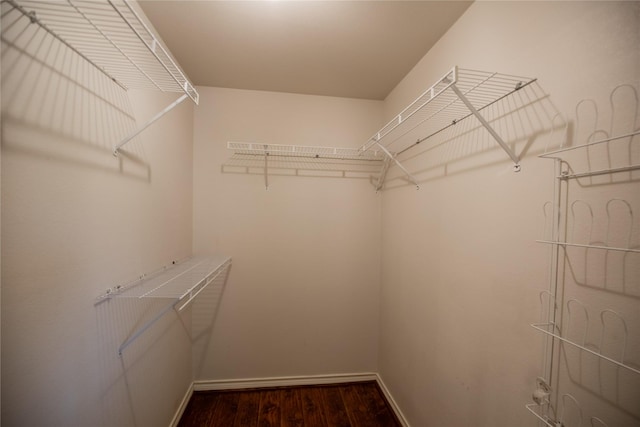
x=456, y=261
x=75, y=221
x=460, y=270
x=302, y=298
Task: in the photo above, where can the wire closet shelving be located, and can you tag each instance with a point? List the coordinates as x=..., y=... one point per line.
x=113, y=37
x=179, y=284
x=456, y=96
x=594, y=246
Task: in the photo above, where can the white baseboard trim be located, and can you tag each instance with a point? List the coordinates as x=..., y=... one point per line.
x=238, y=384
x=182, y=407
x=246, y=383
x=394, y=406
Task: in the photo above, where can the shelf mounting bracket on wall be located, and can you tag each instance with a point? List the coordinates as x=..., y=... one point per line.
x=392, y=157
x=116, y=149
x=266, y=167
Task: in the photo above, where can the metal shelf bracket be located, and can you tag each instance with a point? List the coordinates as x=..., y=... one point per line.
x=116, y=149
x=494, y=134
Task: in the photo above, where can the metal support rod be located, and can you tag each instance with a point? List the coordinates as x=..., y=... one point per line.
x=392, y=157
x=600, y=141
x=486, y=124
x=600, y=172
x=146, y=326
x=578, y=245
x=266, y=168
x=149, y=123
x=541, y=327
x=383, y=173
x=552, y=311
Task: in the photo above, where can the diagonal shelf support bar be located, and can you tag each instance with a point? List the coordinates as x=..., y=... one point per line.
x=116, y=149
x=487, y=126
x=383, y=173
x=392, y=157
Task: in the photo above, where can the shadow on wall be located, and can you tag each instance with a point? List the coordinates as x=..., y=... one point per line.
x=598, y=258
x=601, y=159
x=133, y=335
x=248, y=164
x=57, y=106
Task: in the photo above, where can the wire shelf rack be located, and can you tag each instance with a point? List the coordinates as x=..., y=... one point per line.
x=180, y=283
x=334, y=153
x=459, y=94
x=113, y=37
x=456, y=96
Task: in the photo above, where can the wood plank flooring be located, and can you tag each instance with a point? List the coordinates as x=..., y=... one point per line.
x=359, y=404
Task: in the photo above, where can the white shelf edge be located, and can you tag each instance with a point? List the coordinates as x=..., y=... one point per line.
x=551, y=154
x=306, y=151
x=578, y=245
x=599, y=172
x=530, y=407
x=541, y=327
x=188, y=279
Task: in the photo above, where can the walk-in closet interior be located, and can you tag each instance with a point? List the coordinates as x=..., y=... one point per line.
x=441, y=197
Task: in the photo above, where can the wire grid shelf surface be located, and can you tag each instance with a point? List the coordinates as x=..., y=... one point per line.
x=249, y=148
x=177, y=281
x=112, y=36
x=441, y=106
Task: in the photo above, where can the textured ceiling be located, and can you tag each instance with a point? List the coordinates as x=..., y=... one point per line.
x=356, y=49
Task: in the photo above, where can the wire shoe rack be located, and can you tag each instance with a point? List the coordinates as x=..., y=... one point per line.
x=594, y=249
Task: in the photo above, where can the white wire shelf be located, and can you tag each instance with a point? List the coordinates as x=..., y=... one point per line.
x=177, y=281
x=112, y=36
x=271, y=156
x=179, y=284
x=458, y=94
x=335, y=153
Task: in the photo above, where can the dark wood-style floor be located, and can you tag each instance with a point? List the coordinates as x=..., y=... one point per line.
x=359, y=404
